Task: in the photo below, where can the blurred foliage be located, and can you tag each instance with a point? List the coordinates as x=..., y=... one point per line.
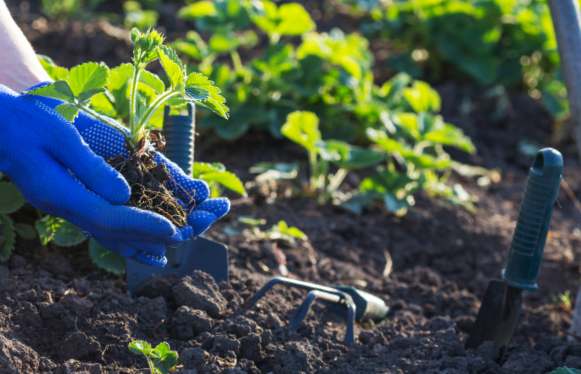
x=490, y=42
x=270, y=61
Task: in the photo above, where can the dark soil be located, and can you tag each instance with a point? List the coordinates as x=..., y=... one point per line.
x=58, y=314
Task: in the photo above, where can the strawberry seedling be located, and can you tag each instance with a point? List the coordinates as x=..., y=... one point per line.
x=160, y=360
x=136, y=97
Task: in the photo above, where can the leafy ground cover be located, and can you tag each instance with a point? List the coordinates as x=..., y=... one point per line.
x=430, y=265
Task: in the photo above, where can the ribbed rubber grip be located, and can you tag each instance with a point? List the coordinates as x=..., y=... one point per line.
x=528, y=242
x=179, y=133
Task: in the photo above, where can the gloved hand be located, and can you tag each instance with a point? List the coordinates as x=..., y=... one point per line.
x=58, y=173
x=108, y=142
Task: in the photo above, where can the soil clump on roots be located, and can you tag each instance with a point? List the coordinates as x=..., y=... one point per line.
x=147, y=180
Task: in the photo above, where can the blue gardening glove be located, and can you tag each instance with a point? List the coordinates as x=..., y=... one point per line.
x=58, y=173
x=108, y=142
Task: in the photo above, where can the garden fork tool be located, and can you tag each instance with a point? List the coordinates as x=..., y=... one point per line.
x=502, y=301
x=195, y=254
x=357, y=304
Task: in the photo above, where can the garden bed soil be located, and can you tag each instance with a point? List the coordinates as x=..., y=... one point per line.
x=58, y=314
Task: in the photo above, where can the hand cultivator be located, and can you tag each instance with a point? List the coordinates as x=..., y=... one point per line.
x=195, y=254
x=501, y=304
x=354, y=303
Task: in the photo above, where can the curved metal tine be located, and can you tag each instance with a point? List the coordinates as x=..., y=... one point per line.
x=346, y=301
x=305, y=307
x=350, y=331
x=261, y=292
x=292, y=283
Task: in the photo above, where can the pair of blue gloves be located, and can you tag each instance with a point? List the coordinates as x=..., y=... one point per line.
x=60, y=168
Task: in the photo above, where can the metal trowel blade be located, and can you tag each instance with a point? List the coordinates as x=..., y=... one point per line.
x=498, y=315
x=196, y=254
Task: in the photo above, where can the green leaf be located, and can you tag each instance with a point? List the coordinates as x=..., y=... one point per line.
x=172, y=66
x=151, y=83
x=201, y=90
x=7, y=238
x=164, y=358
x=88, y=79
x=250, y=221
x=140, y=347
x=59, y=231
x=68, y=111
x=68, y=235
x=348, y=156
x=201, y=168
x=105, y=259
x=217, y=174
x=275, y=171
x=120, y=76
x=227, y=180
x=303, y=129
x=196, y=10
x=295, y=20
x=10, y=198
x=25, y=231
x=54, y=71
x=286, y=19
x=422, y=97
x=57, y=90
x=450, y=135
x=46, y=227
x=285, y=232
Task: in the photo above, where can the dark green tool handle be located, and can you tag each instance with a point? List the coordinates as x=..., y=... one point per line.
x=530, y=234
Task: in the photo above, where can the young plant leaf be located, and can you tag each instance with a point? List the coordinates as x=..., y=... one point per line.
x=68, y=235
x=54, y=71
x=68, y=111
x=10, y=198
x=202, y=91
x=57, y=90
x=88, y=79
x=105, y=259
x=172, y=66
x=140, y=347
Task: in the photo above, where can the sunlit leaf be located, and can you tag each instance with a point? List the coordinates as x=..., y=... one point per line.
x=303, y=129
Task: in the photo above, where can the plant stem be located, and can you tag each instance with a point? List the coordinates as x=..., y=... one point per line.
x=152, y=368
x=314, y=170
x=133, y=100
x=157, y=103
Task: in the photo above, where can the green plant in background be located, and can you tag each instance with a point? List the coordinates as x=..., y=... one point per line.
x=280, y=231
x=344, y=116
x=136, y=16
x=218, y=178
x=67, y=9
x=502, y=42
x=11, y=200
x=303, y=129
x=160, y=360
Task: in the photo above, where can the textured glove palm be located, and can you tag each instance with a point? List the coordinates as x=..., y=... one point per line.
x=58, y=169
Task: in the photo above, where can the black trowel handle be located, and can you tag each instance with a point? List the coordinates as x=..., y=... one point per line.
x=530, y=234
